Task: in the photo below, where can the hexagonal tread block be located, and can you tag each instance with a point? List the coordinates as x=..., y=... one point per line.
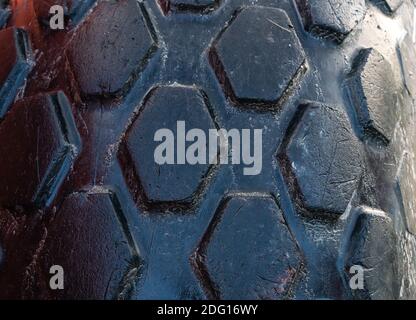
x=407, y=52
x=4, y=13
x=39, y=144
x=321, y=160
x=372, y=247
x=331, y=19
x=173, y=185
x=90, y=239
x=197, y=6
x=248, y=251
x=406, y=190
x=15, y=65
x=374, y=93
x=258, y=58
x=108, y=63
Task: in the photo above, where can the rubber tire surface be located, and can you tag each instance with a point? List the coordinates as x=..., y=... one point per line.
x=331, y=83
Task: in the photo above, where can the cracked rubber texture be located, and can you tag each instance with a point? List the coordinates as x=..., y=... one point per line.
x=79, y=186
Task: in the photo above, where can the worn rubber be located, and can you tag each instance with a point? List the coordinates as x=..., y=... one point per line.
x=331, y=83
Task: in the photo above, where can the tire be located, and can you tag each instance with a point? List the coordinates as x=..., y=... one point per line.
x=332, y=215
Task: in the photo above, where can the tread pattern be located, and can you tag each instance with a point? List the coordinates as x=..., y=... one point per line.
x=406, y=52
x=321, y=159
x=378, y=258
x=79, y=109
x=258, y=65
x=40, y=152
x=149, y=182
x=332, y=19
x=94, y=217
x=196, y=6
x=218, y=255
x=16, y=55
x=104, y=75
x=374, y=94
x=406, y=190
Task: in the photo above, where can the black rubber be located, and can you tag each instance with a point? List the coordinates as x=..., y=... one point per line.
x=331, y=83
